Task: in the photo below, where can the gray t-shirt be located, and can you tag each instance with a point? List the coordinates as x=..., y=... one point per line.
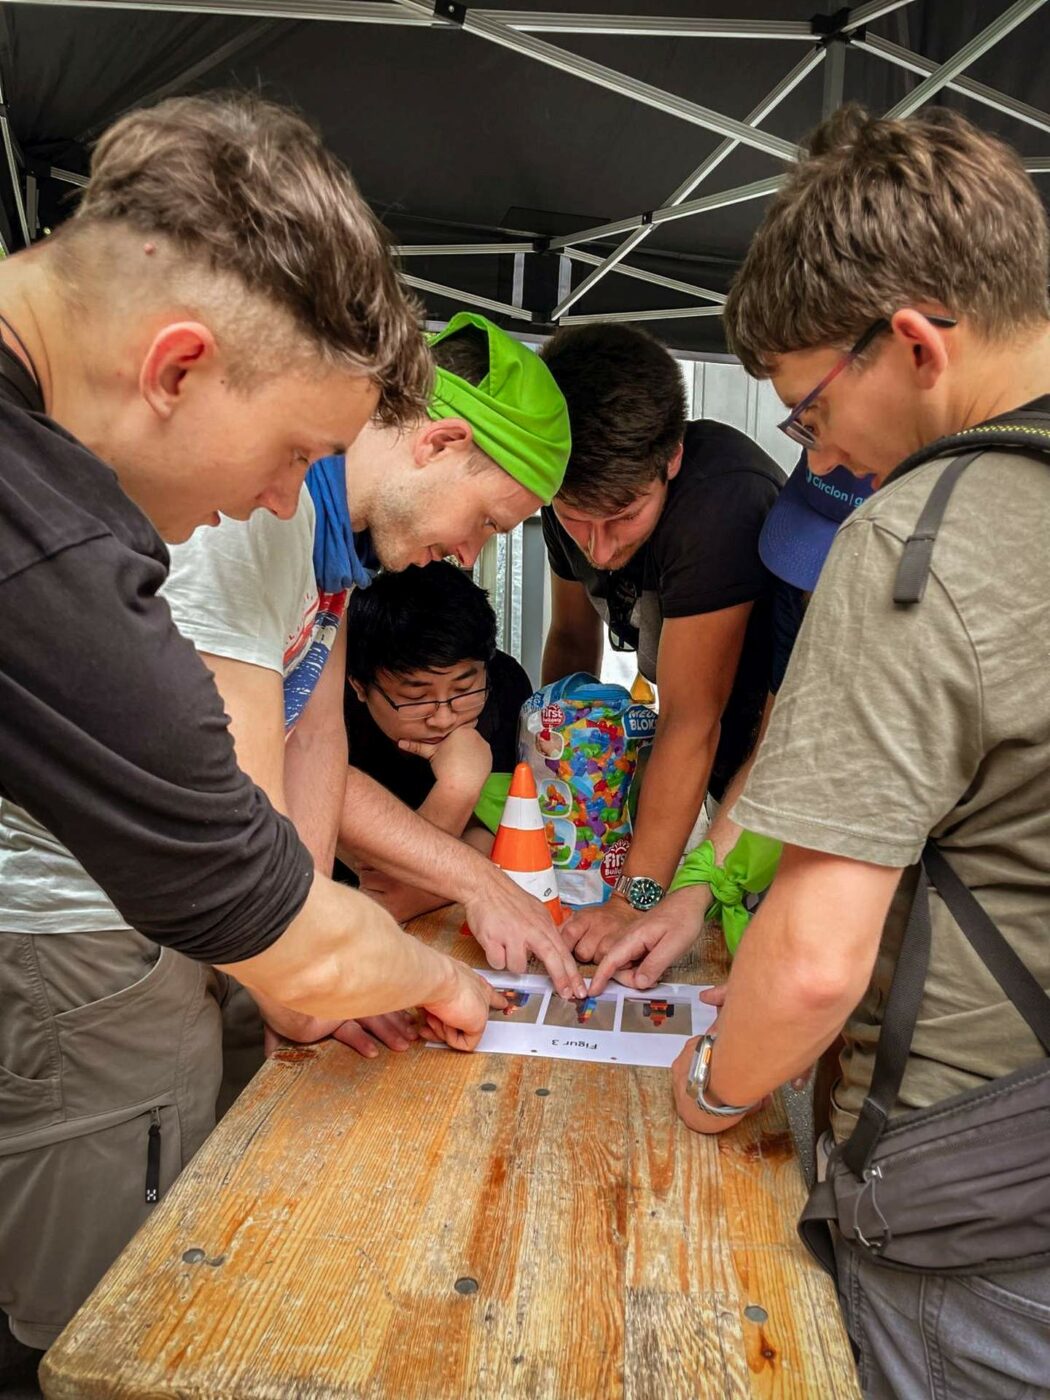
x=895, y=723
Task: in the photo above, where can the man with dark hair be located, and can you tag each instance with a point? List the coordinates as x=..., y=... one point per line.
x=431, y=706
x=914, y=723
x=794, y=544
x=655, y=533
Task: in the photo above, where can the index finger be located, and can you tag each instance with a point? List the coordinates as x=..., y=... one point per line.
x=628, y=950
x=559, y=962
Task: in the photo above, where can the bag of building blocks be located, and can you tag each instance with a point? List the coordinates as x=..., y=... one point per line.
x=581, y=739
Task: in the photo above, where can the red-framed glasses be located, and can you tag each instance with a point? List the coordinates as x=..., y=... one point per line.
x=792, y=425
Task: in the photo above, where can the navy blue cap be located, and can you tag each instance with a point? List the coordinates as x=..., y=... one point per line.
x=799, y=529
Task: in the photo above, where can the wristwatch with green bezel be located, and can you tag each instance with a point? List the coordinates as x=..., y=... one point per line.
x=640, y=892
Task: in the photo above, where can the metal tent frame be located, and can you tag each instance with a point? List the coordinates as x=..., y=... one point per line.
x=826, y=38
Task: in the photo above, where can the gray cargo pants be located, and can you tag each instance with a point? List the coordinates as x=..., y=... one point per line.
x=946, y=1337
x=110, y=1062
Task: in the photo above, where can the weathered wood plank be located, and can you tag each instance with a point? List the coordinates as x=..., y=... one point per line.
x=314, y=1246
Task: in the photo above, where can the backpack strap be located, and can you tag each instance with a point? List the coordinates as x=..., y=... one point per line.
x=914, y=567
x=1027, y=432
x=1024, y=431
x=895, y=1034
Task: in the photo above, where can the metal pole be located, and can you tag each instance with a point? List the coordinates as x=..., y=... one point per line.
x=12, y=165
x=768, y=104
x=834, y=77
x=551, y=22
x=969, y=53
x=502, y=308
x=442, y=250
x=873, y=10
x=668, y=26
x=68, y=177
x=621, y=83
x=690, y=289
x=758, y=189
x=915, y=63
x=674, y=313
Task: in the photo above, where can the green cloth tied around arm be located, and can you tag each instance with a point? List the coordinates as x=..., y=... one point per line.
x=493, y=798
x=749, y=868
x=517, y=413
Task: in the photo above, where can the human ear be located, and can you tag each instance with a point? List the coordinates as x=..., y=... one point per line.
x=358, y=689
x=924, y=343
x=173, y=353
x=441, y=435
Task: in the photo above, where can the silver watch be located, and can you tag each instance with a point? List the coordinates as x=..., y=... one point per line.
x=640, y=891
x=700, y=1077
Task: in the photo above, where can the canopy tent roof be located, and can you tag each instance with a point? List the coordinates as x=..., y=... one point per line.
x=533, y=149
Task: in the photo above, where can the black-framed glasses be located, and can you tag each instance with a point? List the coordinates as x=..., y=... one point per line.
x=466, y=703
x=792, y=425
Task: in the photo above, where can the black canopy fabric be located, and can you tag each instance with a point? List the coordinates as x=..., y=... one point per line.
x=456, y=140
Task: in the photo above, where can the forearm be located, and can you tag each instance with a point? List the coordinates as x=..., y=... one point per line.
x=724, y=832
x=791, y=988
x=480, y=837
x=450, y=806
x=314, y=782
x=672, y=793
x=407, y=902
x=381, y=831
x=565, y=653
x=343, y=957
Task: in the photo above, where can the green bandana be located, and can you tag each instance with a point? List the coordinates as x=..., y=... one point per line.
x=749, y=867
x=517, y=412
x=492, y=799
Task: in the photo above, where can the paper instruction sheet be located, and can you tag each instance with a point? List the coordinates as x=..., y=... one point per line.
x=621, y=1026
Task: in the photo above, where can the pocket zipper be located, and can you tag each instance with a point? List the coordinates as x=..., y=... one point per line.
x=153, y=1158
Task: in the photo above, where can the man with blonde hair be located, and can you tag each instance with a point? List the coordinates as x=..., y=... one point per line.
x=896, y=296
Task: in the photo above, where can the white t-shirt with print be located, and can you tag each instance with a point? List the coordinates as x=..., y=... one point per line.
x=246, y=590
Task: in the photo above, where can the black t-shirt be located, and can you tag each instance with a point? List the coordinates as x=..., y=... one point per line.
x=788, y=610
x=112, y=734
x=702, y=557
x=409, y=777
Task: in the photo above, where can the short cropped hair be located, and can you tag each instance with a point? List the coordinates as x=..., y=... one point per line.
x=626, y=401
x=421, y=619
x=465, y=354
x=246, y=187
x=880, y=215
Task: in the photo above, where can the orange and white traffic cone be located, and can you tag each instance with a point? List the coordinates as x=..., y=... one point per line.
x=520, y=849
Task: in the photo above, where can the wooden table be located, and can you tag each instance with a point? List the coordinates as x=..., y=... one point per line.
x=435, y=1225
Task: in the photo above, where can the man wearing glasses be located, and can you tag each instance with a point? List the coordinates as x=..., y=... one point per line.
x=431, y=708
x=896, y=296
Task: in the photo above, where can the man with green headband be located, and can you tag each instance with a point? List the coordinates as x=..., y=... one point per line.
x=491, y=449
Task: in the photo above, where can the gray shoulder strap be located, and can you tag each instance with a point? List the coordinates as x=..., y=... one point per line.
x=914, y=568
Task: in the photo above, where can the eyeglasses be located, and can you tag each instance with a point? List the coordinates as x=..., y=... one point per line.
x=463, y=704
x=792, y=425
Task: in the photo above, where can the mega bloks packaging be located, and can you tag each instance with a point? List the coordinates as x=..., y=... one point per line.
x=581, y=738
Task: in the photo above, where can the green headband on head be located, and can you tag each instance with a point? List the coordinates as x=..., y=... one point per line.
x=517, y=412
